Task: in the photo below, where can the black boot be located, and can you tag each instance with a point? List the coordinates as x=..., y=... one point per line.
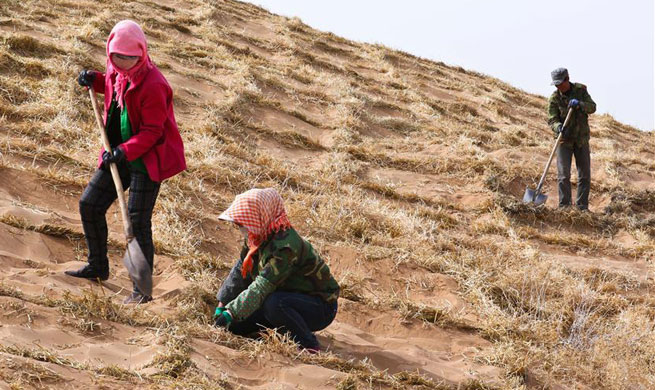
x=137, y=298
x=90, y=272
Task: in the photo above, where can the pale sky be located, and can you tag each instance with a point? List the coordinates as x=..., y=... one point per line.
x=606, y=44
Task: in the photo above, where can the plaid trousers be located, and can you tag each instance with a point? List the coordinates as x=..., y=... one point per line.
x=100, y=193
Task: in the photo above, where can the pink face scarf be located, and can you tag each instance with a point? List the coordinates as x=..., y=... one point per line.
x=262, y=213
x=128, y=39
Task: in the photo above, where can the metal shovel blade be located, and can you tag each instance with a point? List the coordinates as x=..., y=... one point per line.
x=138, y=267
x=532, y=196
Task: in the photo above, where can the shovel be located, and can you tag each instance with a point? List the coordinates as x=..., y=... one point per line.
x=134, y=259
x=536, y=196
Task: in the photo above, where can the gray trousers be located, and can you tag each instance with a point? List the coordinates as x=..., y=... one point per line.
x=565, y=154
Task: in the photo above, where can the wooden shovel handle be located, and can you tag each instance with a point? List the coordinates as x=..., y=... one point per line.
x=552, y=153
x=127, y=222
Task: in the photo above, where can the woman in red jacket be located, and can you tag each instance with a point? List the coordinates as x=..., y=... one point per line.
x=146, y=146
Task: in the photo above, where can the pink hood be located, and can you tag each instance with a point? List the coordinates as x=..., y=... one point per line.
x=128, y=39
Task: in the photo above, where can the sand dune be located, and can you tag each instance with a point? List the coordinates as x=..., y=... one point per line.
x=406, y=174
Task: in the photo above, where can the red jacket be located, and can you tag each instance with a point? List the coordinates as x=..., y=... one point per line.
x=156, y=139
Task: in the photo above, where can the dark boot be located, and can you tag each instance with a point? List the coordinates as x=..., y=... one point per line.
x=137, y=298
x=89, y=271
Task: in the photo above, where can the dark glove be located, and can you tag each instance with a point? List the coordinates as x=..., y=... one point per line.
x=223, y=320
x=86, y=78
x=574, y=103
x=116, y=156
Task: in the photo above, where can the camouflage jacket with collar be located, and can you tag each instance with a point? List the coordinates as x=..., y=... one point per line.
x=578, y=128
x=285, y=262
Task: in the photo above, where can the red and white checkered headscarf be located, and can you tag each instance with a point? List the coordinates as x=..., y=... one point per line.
x=261, y=212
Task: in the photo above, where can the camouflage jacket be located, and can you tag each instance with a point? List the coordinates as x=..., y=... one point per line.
x=579, y=124
x=285, y=262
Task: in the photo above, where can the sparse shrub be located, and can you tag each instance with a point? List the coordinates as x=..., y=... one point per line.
x=347, y=383
x=26, y=45
x=296, y=25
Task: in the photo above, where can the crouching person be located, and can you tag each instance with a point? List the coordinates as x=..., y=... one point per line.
x=280, y=281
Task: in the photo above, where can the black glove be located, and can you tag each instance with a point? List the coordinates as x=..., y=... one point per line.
x=116, y=156
x=223, y=320
x=563, y=130
x=86, y=78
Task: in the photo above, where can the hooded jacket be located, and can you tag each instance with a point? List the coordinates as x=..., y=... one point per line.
x=149, y=102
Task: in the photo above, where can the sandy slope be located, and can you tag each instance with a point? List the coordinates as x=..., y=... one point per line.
x=402, y=171
x=34, y=265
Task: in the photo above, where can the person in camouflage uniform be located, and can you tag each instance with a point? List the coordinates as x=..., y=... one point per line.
x=575, y=137
x=279, y=281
